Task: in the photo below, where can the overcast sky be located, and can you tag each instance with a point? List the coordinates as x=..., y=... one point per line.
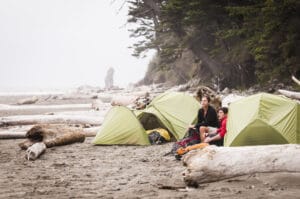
x=65, y=43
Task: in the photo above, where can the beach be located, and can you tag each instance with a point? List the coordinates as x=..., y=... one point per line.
x=82, y=170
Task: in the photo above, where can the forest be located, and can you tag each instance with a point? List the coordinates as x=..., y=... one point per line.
x=230, y=42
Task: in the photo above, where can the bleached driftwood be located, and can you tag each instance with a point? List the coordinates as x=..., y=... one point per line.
x=30, y=100
x=217, y=163
x=14, y=132
x=12, y=135
x=77, y=96
x=91, y=132
x=21, y=134
x=49, y=119
x=123, y=100
x=4, y=107
x=52, y=135
x=26, y=144
x=34, y=151
x=297, y=81
x=290, y=94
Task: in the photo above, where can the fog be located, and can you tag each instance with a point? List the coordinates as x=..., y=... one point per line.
x=47, y=44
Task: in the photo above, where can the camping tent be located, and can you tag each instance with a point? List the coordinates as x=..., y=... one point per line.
x=171, y=110
x=263, y=119
x=120, y=126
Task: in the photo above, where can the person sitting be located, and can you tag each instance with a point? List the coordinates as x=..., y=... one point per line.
x=207, y=116
x=217, y=137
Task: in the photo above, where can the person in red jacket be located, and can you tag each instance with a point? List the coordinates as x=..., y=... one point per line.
x=217, y=137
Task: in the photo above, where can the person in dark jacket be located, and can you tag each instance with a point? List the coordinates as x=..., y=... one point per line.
x=207, y=116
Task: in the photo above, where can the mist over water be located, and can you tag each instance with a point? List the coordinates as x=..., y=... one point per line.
x=58, y=45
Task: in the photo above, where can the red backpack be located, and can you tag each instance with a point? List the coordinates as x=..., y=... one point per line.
x=193, y=137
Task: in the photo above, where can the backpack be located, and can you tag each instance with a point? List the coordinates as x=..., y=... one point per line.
x=156, y=138
x=193, y=137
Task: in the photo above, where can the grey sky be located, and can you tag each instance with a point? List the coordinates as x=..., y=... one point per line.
x=64, y=43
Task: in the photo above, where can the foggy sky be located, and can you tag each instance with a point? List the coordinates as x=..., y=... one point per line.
x=65, y=43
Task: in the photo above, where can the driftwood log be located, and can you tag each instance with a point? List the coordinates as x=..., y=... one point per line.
x=290, y=94
x=12, y=134
x=50, y=119
x=65, y=139
x=34, y=151
x=297, y=81
x=217, y=163
x=52, y=135
x=123, y=100
x=5, y=107
x=30, y=100
x=215, y=98
x=26, y=144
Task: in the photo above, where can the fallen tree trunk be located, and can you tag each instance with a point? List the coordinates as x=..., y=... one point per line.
x=78, y=96
x=91, y=132
x=296, y=80
x=30, y=100
x=290, y=94
x=123, y=100
x=10, y=134
x=49, y=119
x=68, y=138
x=5, y=107
x=218, y=163
x=52, y=135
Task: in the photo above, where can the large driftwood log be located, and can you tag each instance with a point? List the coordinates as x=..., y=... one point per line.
x=49, y=119
x=52, y=135
x=297, y=81
x=65, y=139
x=217, y=163
x=77, y=96
x=26, y=144
x=4, y=107
x=12, y=135
x=21, y=134
x=30, y=100
x=34, y=151
x=290, y=94
x=91, y=132
x=123, y=100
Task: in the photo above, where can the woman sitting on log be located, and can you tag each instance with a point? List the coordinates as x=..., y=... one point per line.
x=215, y=136
x=207, y=116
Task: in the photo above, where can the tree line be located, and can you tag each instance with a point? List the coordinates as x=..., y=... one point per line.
x=241, y=42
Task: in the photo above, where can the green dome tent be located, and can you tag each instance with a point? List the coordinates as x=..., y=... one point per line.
x=263, y=119
x=121, y=126
x=171, y=110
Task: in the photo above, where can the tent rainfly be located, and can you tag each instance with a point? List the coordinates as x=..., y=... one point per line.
x=263, y=119
x=171, y=110
x=120, y=126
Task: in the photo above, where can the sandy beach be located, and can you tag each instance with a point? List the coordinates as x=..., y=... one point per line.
x=82, y=170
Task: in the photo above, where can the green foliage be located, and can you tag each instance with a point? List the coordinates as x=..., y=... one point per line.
x=254, y=40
